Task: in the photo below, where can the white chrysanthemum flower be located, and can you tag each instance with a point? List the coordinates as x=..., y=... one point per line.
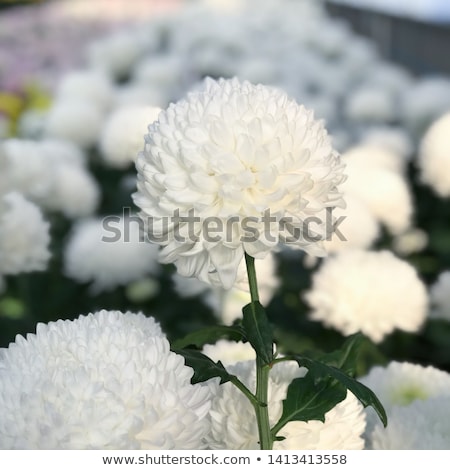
x=423, y=425
x=122, y=136
x=371, y=292
x=434, y=156
x=401, y=383
x=371, y=104
x=78, y=121
x=356, y=227
x=107, y=380
x=51, y=173
x=231, y=155
x=229, y=352
x=403, y=389
x=227, y=304
x=87, y=85
x=109, y=252
x=24, y=236
x=234, y=424
x=385, y=193
x=75, y=192
x=393, y=139
x=440, y=297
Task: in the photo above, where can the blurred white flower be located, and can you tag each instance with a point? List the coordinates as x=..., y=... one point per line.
x=229, y=352
x=24, y=236
x=75, y=192
x=76, y=120
x=122, y=135
x=107, y=380
x=358, y=229
x=25, y=169
x=108, y=252
x=423, y=425
x=401, y=383
x=371, y=292
x=51, y=173
x=231, y=152
x=367, y=155
x=86, y=85
x=434, y=156
x=234, y=423
x=385, y=193
x=440, y=297
x=412, y=241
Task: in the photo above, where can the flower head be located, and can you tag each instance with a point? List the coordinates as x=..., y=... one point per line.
x=24, y=236
x=371, y=292
x=107, y=380
x=221, y=160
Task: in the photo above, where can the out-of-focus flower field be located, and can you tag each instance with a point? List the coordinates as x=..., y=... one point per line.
x=80, y=81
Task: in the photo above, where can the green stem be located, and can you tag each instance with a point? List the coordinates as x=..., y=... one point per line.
x=235, y=381
x=262, y=372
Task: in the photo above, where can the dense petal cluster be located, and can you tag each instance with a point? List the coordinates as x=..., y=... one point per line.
x=107, y=380
x=371, y=292
x=226, y=156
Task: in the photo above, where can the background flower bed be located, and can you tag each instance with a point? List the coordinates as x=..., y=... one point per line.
x=341, y=77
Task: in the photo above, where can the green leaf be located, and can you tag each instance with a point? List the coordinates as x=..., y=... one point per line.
x=258, y=331
x=204, y=367
x=321, y=370
x=345, y=358
x=309, y=398
x=210, y=335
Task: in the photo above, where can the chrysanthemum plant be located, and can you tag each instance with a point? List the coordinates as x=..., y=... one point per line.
x=235, y=151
